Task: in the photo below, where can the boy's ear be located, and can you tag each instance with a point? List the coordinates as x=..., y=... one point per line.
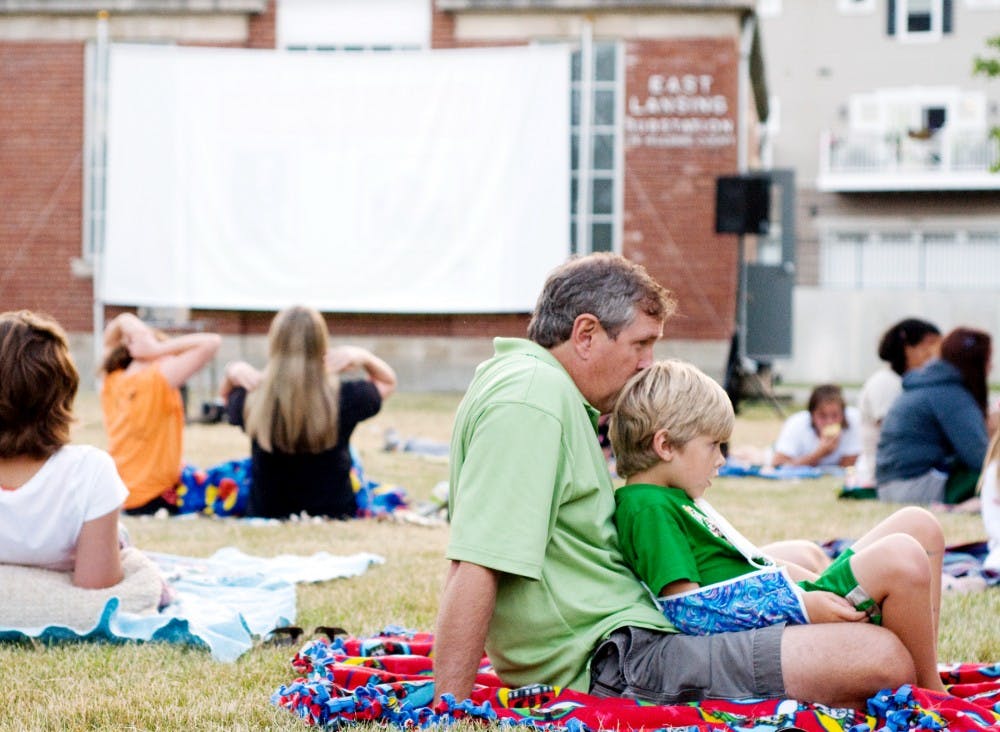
x=662, y=445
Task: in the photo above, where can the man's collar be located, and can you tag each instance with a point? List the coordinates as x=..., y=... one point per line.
x=530, y=348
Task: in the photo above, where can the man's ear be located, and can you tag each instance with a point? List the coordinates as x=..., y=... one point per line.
x=663, y=446
x=585, y=327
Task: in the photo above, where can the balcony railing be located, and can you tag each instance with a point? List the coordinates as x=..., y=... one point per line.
x=908, y=161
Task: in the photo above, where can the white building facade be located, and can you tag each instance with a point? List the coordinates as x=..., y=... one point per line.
x=876, y=108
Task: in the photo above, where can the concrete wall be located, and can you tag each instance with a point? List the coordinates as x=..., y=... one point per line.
x=423, y=364
x=836, y=332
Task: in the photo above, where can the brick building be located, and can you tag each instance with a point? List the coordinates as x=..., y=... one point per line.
x=676, y=89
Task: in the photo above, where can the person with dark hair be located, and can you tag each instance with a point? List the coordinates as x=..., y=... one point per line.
x=143, y=371
x=905, y=346
x=59, y=503
x=825, y=434
x=537, y=578
x=934, y=437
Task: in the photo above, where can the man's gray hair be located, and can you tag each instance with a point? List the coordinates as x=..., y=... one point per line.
x=608, y=286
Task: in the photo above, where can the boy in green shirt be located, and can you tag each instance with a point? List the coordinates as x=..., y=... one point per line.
x=667, y=429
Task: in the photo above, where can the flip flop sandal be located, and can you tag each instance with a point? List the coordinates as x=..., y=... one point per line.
x=286, y=635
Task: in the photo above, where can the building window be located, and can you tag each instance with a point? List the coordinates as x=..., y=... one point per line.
x=603, y=201
x=919, y=20
x=353, y=25
x=932, y=259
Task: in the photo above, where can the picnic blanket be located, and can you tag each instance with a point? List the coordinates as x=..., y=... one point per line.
x=734, y=468
x=960, y=562
x=224, y=490
x=388, y=679
x=223, y=602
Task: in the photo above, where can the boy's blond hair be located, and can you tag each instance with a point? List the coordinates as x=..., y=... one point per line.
x=670, y=395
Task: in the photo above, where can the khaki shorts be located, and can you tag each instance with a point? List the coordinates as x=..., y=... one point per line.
x=670, y=668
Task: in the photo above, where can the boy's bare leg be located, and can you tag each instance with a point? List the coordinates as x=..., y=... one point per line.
x=842, y=664
x=923, y=526
x=896, y=572
x=804, y=553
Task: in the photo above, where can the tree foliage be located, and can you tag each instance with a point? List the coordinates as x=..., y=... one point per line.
x=990, y=66
x=986, y=65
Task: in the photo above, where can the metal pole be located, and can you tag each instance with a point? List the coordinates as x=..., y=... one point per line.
x=743, y=94
x=742, y=165
x=97, y=176
x=583, y=150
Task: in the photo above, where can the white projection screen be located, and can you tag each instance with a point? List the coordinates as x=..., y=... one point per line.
x=423, y=182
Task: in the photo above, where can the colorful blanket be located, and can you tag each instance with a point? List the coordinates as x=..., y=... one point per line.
x=224, y=490
x=961, y=561
x=388, y=679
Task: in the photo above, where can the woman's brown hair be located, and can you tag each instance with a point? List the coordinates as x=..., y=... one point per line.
x=969, y=351
x=38, y=383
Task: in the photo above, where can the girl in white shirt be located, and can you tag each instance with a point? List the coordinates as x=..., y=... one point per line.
x=59, y=503
x=905, y=346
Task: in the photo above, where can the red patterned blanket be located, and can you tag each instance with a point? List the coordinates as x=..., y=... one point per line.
x=389, y=679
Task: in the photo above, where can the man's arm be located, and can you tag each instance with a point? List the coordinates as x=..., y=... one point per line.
x=467, y=605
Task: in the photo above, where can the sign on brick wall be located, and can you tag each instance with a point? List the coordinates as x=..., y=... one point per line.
x=680, y=134
x=679, y=110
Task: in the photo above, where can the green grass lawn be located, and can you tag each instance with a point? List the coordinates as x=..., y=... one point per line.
x=164, y=687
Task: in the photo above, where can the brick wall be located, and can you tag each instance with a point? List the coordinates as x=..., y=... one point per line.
x=41, y=133
x=680, y=135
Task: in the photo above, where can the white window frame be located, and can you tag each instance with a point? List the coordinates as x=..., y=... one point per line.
x=933, y=35
x=616, y=130
x=355, y=25
x=924, y=267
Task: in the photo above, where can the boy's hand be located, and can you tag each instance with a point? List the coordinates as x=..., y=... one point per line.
x=826, y=607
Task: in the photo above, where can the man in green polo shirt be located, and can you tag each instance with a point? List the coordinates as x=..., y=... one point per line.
x=536, y=576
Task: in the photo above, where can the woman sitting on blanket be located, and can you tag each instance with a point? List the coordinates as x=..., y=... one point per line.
x=59, y=503
x=300, y=416
x=143, y=411
x=935, y=436
x=826, y=435
x=905, y=346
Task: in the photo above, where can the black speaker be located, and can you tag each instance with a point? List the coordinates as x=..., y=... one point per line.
x=742, y=204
